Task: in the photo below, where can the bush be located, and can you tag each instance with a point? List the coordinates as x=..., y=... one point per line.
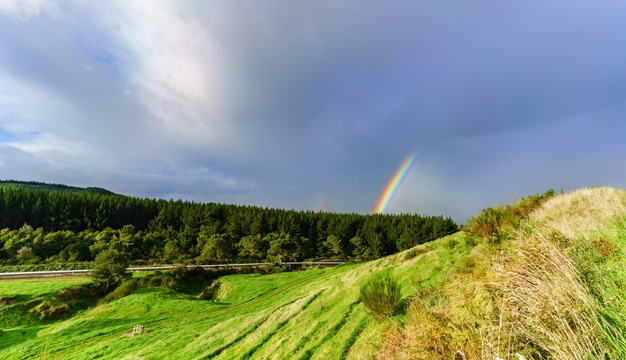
x=415, y=252
x=381, y=295
x=496, y=223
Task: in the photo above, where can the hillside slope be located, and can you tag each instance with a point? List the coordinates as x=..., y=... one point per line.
x=35, y=185
x=555, y=288
x=313, y=314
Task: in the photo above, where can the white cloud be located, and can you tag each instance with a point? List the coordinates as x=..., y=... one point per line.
x=173, y=61
x=24, y=10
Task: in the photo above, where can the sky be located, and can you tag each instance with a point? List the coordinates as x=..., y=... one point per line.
x=313, y=105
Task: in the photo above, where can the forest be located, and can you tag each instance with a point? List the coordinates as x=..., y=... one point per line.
x=48, y=224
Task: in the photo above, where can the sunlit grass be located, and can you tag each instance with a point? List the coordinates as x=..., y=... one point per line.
x=312, y=314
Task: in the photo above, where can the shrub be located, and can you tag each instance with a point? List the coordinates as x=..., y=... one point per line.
x=381, y=295
x=415, y=252
x=495, y=223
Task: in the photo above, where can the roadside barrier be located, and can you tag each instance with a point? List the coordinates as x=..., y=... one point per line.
x=59, y=273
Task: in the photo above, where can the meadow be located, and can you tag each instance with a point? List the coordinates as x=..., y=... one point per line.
x=545, y=280
x=310, y=314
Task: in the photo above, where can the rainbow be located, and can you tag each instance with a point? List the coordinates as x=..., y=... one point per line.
x=394, y=183
x=321, y=201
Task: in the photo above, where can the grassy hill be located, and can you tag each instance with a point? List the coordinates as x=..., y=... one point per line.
x=35, y=185
x=309, y=314
x=553, y=287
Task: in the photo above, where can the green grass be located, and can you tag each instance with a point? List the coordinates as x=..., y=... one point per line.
x=553, y=288
x=602, y=263
x=36, y=287
x=312, y=314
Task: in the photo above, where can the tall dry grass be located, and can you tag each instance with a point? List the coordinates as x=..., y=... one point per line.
x=522, y=299
x=548, y=305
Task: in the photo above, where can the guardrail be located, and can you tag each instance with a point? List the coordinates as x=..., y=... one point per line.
x=59, y=273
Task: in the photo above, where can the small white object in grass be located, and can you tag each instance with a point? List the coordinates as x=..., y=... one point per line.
x=138, y=329
x=520, y=357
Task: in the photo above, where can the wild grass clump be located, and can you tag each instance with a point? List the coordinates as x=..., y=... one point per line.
x=548, y=304
x=381, y=295
x=563, y=289
x=548, y=284
x=415, y=252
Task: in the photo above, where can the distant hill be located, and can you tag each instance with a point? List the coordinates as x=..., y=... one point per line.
x=35, y=185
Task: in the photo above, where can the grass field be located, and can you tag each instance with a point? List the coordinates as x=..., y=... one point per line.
x=311, y=314
x=553, y=289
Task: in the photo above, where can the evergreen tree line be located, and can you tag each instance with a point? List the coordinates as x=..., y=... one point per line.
x=58, y=226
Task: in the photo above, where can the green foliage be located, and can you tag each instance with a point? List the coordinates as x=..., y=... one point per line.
x=297, y=315
x=496, y=223
x=283, y=247
x=25, y=253
x=451, y=243
x=51, y=187
x=217, y=249
x=109, y=268
x=334, y=248
x=253, y=247
x=381, y=295
x=360, y=248
x=63, y=224
x=415, y=252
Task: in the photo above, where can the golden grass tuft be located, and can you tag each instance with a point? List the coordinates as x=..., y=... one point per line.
x=581, y=213
x=548, y=305
x=524, y=298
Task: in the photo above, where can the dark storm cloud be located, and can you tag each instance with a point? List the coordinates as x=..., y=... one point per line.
x=278, y=103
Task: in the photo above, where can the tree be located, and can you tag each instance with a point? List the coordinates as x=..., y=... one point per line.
x=109, y=268
x=407, y=240
x=360, y=248
x=283, y=247
x=25, y=253
x=26, y=229
x=218, y=248
x=334, y=247
x=253, y=247
x=375, y=246
x=79, y=251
